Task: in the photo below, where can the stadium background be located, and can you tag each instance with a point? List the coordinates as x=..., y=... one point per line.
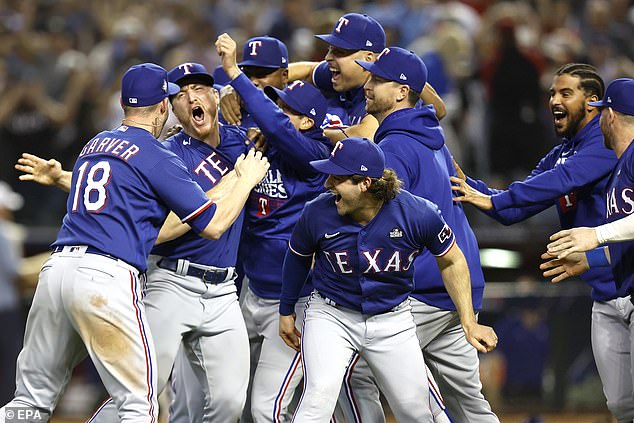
x=491, y=61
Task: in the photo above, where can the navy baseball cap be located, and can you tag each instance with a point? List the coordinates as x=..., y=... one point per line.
x=146, y=84
x=220, y=77
x=302, y=97
x=619, y=95
x=190, y=73
x=353, y=156
x=264, y=52
x=355, y=31
x=400, y=65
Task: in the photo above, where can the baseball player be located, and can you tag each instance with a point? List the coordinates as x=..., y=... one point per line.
x=573, y=177
x=88, y=299
x=617, y=125
x=208, y=154
x=354, y=37
x=364, y=236
x=289, y=120
x=413, y=144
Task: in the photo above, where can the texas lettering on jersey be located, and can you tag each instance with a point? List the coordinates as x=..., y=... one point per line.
x=376, y=260
x=621, y=202
x=212, y=161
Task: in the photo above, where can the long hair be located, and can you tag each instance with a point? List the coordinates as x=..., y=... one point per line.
x=591, y=82
x=384, y=188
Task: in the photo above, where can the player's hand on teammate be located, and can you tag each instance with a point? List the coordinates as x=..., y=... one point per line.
x=252, y=167
x=562, y=268
x=483, y=338
x=257, y=139
x=45, y=172
x=173, y=130
x=289, y=332
x=230, y=105
x=468, y=193
x=573, y=240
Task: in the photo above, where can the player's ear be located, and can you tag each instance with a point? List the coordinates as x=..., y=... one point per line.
x=306, y=123
x=369, y=56
x=403, y=93
x=285, y=77
x=590, y=98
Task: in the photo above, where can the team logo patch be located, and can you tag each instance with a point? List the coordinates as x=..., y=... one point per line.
x=132, y=100
x=444, y=234
x=164, y=85
x=363, y=168
x=396, y=233
x=403, y=77
x=368, y=43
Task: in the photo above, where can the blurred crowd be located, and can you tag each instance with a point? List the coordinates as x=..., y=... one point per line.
x=491, y=61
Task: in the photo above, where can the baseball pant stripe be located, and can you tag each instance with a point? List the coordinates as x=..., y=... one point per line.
x=435, y=392
x=277, y=409
x=301, y=345
x=106, y=402
x=136, y=303
x=349, y=394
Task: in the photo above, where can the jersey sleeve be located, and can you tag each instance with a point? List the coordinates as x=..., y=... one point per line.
x=297, y=149
x=322, y=78
x=587, y=166
x=303, y=240
x=433, y=232
x=174, y=185
x=397, y=163
x=509, y=215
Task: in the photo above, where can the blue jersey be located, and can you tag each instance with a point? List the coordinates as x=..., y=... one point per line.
x=123, y=185
x=414, y=147
x=277, y=201
x=347, y=107
x=573, y=177
x=207, y=165
x=366, y=268
x=620, y=203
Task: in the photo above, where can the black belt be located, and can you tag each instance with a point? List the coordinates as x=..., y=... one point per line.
x=212, y=276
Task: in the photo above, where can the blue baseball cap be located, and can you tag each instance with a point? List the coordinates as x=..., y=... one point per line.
x=400, y=65
x=353, y=156
x=619, y=95
x=302, y=97
x=220, y=77
x=265, y=52
x=146, y=84
x=355, y=31
x=190, y=73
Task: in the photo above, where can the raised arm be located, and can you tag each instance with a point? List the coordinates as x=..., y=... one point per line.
x=430, y=96
x=301, y=71
x=364, y=129
x=455, y=275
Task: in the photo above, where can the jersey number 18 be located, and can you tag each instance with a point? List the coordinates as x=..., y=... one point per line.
x=93, y=203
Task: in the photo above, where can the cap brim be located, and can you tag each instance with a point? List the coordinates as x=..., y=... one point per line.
x=599, y=103
x=172, y=88
x=329, y=168
x=193, y=78
x=338, y=42
x=374, y=69
x=275, y=93
x=257, y=64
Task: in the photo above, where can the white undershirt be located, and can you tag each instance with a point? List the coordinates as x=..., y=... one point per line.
x=619, y=230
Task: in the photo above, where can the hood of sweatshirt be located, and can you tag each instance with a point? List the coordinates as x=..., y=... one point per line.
x=420, y=124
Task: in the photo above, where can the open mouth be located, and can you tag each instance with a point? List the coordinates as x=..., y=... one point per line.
x=334, y=74
x=198, y=114
x=559, y=115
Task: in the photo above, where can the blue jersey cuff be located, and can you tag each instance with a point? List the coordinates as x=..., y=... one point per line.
x=597, y=258
x=287, y=309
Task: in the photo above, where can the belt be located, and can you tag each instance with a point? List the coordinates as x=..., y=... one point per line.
x=89, y=250
x=335, y=304
x=208, y=274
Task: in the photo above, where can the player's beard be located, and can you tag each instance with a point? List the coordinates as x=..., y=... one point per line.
x=377, y=106
x=608, y=137
x=574, y=122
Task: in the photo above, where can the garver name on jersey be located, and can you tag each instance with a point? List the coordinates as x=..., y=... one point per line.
x=376, y=261
x=621, y=202
x=272, y=185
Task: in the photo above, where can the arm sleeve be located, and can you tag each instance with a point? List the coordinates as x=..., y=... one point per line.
x=394, y=161
x=545, y=186
x=619, y=230
x=510, y=215
x=181, y=194
x=297, y=263
x=322, y=78
x=434, y=232
x=297, y=149
x=294, y=274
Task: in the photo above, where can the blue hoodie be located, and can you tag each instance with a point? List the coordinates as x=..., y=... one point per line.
x=414, y=146
x=573, y=177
